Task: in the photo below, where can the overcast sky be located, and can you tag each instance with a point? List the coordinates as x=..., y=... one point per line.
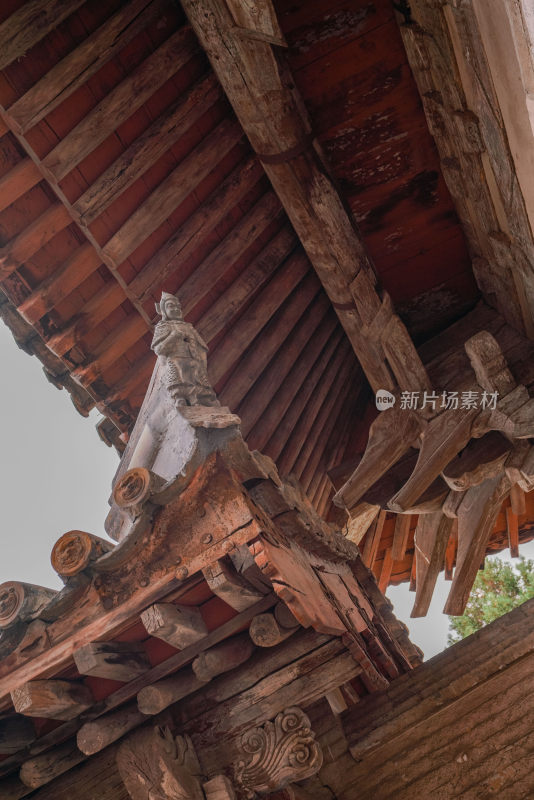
x=55, y=472
x=55, y=476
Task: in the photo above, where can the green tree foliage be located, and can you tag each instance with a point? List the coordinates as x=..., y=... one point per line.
x=498, y=588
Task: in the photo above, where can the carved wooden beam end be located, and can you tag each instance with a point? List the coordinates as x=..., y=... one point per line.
x=277, y=753
x=136, y=487
x=22, y=602
x=75, y=551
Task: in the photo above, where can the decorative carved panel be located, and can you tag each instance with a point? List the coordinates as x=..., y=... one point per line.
x=277, y=753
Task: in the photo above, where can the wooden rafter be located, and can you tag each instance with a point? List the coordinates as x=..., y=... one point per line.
x=76, y=68
x=255, y=79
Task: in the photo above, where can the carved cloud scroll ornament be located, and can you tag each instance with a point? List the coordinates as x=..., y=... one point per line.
x=278, y=753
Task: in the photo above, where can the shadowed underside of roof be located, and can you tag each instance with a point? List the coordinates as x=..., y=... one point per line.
x=124, y=171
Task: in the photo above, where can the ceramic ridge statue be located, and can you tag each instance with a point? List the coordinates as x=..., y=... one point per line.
x=184, y=353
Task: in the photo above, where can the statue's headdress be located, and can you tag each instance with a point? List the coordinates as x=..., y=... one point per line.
x=165, y=296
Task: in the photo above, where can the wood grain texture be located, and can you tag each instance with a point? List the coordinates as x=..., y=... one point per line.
x=52, y=699
x=118, y=661
x=120, y=103
x=177, y=625
x=76, y=68
x=29, y=24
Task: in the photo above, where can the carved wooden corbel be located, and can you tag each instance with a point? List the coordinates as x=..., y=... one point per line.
x=155, y=765
x=277, y=753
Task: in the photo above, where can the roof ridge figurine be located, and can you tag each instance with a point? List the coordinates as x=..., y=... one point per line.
x=184, y=353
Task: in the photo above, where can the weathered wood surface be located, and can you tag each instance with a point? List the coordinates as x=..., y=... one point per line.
x=18, y=181
x=154, y=763
x=139, y=590
x=266, y=631
x=296, y=583
x=390, y=437
x=157, y=696
x=76, y=550
x=42, y=769
x=460, y=448
x=29, y=24
x=178, y=660
x=336, y=700
x=52, y=699
x=222, y=657
x=476, y=518
x=16, y=732
x=442, y=439
x=431, y=537
x=276, y=752
x=361, y=518
x=231, y=587
x=21, y=602
x=447, y=53
x=300, y=683
x=457, y=725
x=401, y=534
x=110, y=297
x=66, y=277
x=146, y=150
x=256, y=673
x=481, y=459
x=119, y=104
x=175, y=624
x=99, y=733
x=72, y=71
x=386, y=570
x=119, y=661
x=517, y=500
x=512, y=527
x=450, y=551
x=13, y=788
x=489, y=364
x=260, y=666
x=97, y=776
x=29, y=241
x=176, y=187
x=219, y=788
x=370, y=548
x=244, y=564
